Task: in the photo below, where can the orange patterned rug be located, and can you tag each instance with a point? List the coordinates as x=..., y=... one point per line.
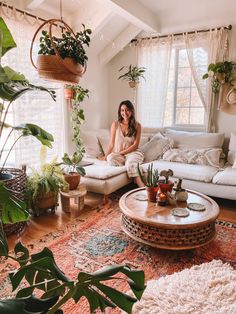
x=96, y=240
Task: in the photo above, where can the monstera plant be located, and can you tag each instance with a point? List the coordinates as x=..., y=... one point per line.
x=12, y=86
x=41, y=273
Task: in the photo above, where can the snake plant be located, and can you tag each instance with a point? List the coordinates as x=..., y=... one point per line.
x=150, y=179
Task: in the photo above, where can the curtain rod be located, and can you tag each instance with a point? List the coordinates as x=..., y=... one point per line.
x=21, y=11
x=178, y=34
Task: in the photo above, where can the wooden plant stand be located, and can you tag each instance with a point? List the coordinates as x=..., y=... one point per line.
x=77, y=195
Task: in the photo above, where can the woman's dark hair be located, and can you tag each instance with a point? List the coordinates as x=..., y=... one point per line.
x=132, y=127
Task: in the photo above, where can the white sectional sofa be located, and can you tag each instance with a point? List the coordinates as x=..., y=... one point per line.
x=195, y=157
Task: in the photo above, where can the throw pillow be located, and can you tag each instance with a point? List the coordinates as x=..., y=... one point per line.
x=205, y=156
x=232, y=148
x=155, y=148
x=195, y=139
x=234, y=164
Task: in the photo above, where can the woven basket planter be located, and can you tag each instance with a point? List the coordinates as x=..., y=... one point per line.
x=17, y=186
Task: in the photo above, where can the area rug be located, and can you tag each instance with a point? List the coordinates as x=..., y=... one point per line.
x=207, y=288
x=95, y=239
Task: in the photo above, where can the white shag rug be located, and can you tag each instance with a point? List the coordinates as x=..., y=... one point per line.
x=205, y=289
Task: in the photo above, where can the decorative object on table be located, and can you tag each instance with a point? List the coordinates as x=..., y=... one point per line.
x=166, y=185
x=12, y=181
x=170, y=198
x=180, y=212
x=73, y=170
x=196, y=206
x=150, y=180
x=141, y=197
x=181, y=195
x=161, y=198
x=61, y=58
x=43, y=187
x=133, y=74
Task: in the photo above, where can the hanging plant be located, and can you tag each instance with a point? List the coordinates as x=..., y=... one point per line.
x=220, y=73
x=62, y=58
x=133, y=74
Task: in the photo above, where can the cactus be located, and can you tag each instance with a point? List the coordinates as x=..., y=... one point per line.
x=150, y=179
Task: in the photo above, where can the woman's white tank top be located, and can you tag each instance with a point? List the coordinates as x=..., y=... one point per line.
x=122, y=142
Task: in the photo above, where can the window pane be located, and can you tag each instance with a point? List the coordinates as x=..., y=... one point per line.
x=196, y=116
x=182, y=115
x=183, y=97
x=195, y=99
x=184, y=77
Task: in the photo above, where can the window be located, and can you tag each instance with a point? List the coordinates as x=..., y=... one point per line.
x=184, y=107
x=169, y=96
x=33, y=107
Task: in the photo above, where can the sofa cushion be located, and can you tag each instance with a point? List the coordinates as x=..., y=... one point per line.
x=203, y=156
x=234, y=164
x=101, y=170
x=232, y=148
x=155, y=148
x=195, y=139
x=226, y=176
x=186, y=171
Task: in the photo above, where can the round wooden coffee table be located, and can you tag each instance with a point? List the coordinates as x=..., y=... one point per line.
x=154, y=225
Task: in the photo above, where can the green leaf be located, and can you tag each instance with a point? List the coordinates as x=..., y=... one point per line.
x=3, y=242
x=13, y=209
x=7, y=41
x=205, y=76
x=32, y=129
x=13, y=75
x=23, y=258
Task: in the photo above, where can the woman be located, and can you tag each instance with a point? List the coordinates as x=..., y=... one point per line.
x=124, y=141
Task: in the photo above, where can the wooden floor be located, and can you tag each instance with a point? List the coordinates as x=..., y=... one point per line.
x=39, y=226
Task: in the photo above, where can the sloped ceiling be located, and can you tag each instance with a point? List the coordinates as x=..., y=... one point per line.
x=116, y=22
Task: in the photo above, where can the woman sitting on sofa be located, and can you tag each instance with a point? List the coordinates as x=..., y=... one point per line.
x=124, y=141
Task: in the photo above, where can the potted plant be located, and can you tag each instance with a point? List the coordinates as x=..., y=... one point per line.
x=73, y=170
x=220, y=73
x=150, y=180
x=12, y=86
x=62, y=58
x=133, y=74
x=40, y=273
x=166, y=185
x=43, y=187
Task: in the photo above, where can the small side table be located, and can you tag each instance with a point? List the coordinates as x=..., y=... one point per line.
x=77, y=195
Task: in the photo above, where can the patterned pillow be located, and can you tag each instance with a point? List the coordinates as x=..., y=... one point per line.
x=203, y=156
x=155, y=148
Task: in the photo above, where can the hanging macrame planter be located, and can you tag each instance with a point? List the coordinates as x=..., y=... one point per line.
x=54, y=67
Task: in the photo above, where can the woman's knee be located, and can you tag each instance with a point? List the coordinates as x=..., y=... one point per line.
x=115, y=159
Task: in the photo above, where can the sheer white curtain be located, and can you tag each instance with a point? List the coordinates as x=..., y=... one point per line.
x=198, y=46
x=155, y=56
x=34, y=107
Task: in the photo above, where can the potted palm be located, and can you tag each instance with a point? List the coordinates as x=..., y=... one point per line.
x=133, y=74
x=73, y=170
x=150, y=180
x=12, y=86
x=62, y=58
x=43, y=187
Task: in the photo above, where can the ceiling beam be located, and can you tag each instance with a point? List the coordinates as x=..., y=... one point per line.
x=34, y=4
x=118, y=43
x=135, y=13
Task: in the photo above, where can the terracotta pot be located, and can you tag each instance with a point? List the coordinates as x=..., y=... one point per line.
x=73, y=179
x=152, y=193
x=166, y=187
x=69, y=93
x=46, y=200
x=133, y=84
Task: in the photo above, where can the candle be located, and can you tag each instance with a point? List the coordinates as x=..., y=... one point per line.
x=162, y=197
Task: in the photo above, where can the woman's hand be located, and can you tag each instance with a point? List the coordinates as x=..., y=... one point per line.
x=101, y=157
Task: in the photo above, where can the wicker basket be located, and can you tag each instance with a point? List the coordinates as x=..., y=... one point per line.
x=17, y=186
x=53, y=67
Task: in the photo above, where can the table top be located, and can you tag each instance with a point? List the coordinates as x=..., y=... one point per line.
x=80, y=191
x=153, y=214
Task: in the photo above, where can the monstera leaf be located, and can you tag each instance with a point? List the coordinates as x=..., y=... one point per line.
x=6, y=38
x=12, y=209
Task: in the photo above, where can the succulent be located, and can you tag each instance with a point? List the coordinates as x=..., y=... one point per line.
x=166, y=173
x=150, y=179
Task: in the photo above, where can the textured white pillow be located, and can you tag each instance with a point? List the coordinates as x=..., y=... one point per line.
x=195, y=139
x=155, y=148
x=90, y=140
x=204, y=156
x=232, y=148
